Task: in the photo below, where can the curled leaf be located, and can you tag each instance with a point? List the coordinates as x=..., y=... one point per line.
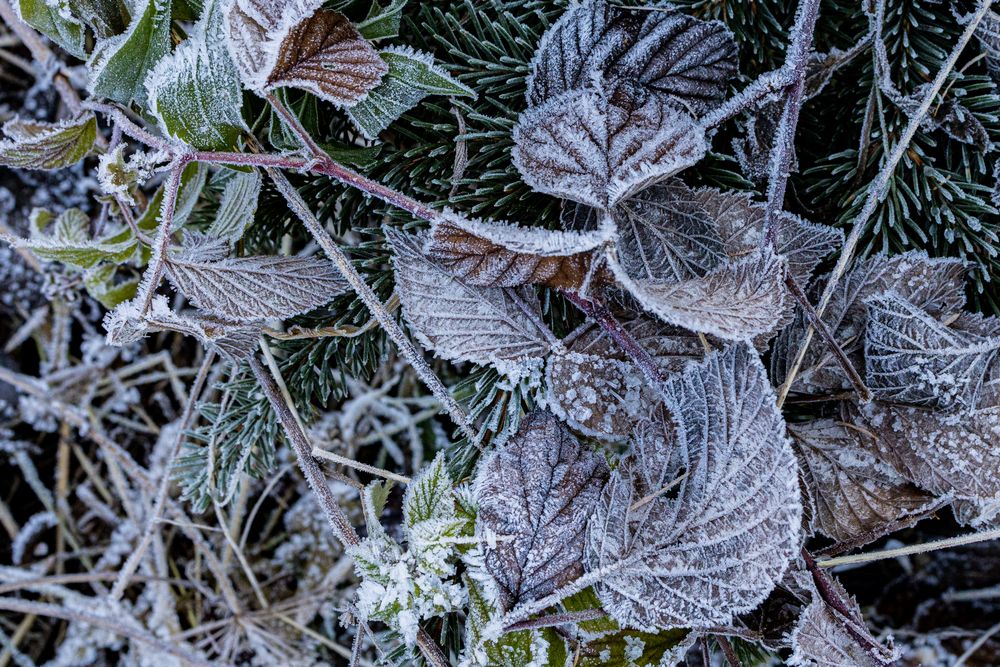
x=296, y=44
x=716, y=544
x=504, y=255
x=736, y=301
x=119, y=65
x=35, y=145
x=538, y=488
x=584, y=147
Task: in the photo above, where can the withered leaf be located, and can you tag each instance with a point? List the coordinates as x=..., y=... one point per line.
x=276, y=43
x=912, y=358
x=462, y=322
x=599, y=391
x=855, y=494
x=822, y=639
x=718, y=548
x=665, y=52
x=584, y=147
x=539, y=488
x=950, y=454
x=503, y=255
x=664, y=233
x=244, y=289
x=736, y=301
x=934, y=285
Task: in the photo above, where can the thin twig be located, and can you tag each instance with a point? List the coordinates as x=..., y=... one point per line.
x=154, y=270
x=976, y=645
x=377, y=309
x=358, y=465
x=132, y=563
x=879, y=187
x=727, y=650
x=936, y=545
x=552, y=620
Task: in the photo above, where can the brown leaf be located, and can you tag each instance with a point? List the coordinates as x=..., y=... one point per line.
x=503, y=255
x=855, y=494
x=277, y=44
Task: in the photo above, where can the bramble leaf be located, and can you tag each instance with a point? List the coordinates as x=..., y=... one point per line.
x=119, y=65
x=35, y=145
x=586, y=147
x=538, y=488
x=719, y=547
x=238, y=206
x=56, y=21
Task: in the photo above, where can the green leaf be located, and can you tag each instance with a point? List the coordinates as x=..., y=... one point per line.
x=584, y=601
x=106, y=18
x=238, y=206
x=536, y=647
x=100, y=284
x=412, y=76
x=56, y=22
x=631, y=647
x=195, y=92
x=84, y=254
x=119, y=65
x=33, y=145
x=359, y=156
x=429, y=495
x=382, y=22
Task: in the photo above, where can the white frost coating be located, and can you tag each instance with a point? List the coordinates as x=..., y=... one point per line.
x=718, y=548
x=583, y=147
x=534, y=240
x=600, y=397
x=246, y=289
x=736, y=301
x=854, y=492
x=540, y=488
x=461, y=322
x=238, y=206
x=293, y=43
x=912, y=358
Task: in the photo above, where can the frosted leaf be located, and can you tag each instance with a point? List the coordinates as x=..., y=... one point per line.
x=119, y=65
x=855, y=494
x=912, y=358
x=277, y=43
x=67, y=239
x=583, y=147
x=664, y=51
x=821, y=637
x=504, y=255
x=597, y=389
x=600, y=397
x=238, y=206
x=428, y=497
x=665, y=234
x=411, y=76
x=195, y=92
x=717, y=544
x=245, y=289
x=946, y=453
x=36, y=145
x=461, y=322
x=736, y=301
x=740, y=223
x=540, y=488
x=988, y=33
x=959, y=123
x=127, y=323
x=934, y=285
x=55, y=19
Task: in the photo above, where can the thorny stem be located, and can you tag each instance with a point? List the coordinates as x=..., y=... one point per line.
x=317, y=482
x=879, y=187
x=377, y=309
x=154, y=272
x=824, y=332
x=152, y=520
x=110, y=624
x=727, y=650
x=125, y=124
x=796, y=60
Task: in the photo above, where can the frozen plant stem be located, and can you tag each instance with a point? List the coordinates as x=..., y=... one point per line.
x=342, y=527
x=377, y=309
x=879, y=187
x=796, y=60
x=153, y=518
x=972, y=538
x=154, y=272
